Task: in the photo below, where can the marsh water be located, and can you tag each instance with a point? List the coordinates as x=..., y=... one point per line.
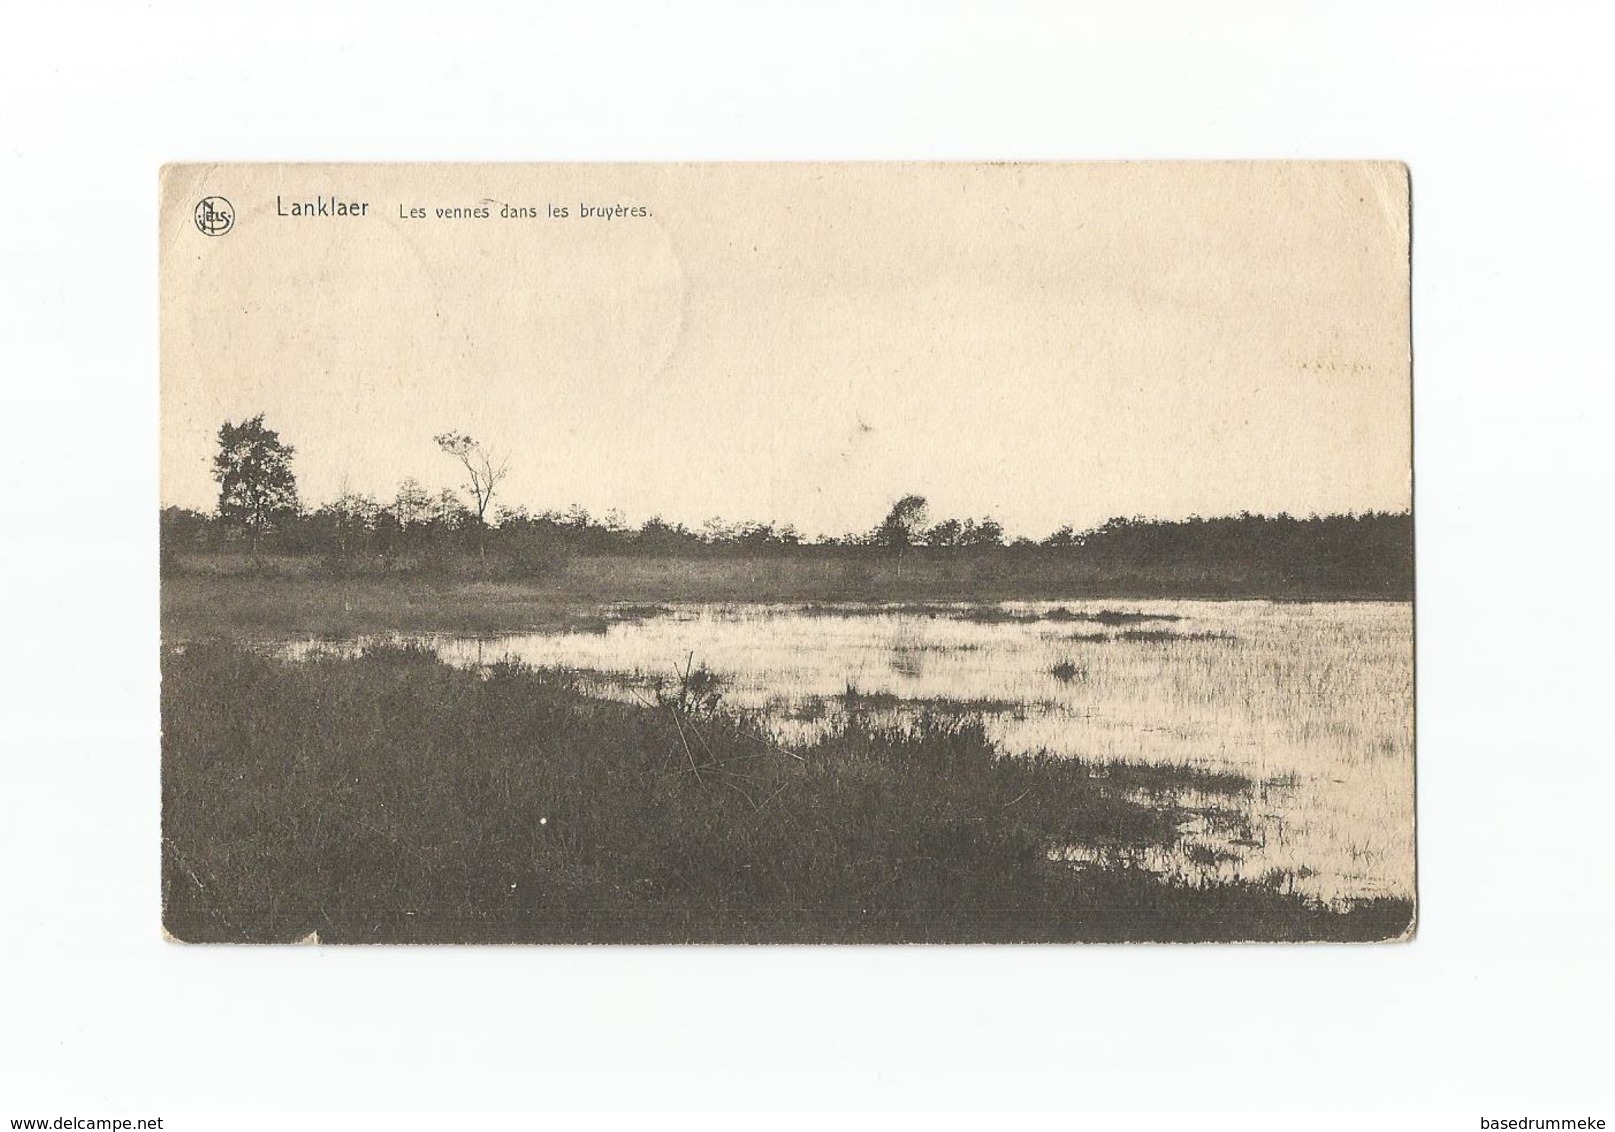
x=1311, y=702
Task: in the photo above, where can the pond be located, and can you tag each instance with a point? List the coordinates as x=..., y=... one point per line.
x=1312, y=702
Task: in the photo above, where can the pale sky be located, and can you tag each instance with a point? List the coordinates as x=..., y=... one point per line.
x=1047, y=344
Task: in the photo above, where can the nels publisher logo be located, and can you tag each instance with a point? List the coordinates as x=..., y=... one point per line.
x=215, y=216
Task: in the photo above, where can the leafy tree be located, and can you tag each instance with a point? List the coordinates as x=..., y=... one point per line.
x=342, y=528
x=903, y=524
x=448, y=512
x=253, y=468
x=179, y=529
x=412, y=505
x=988, y=532
x=903, y=527
x=355, y=510
x=715, y=530
x=945, y=533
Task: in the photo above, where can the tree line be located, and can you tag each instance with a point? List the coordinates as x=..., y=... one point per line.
x=259, y=511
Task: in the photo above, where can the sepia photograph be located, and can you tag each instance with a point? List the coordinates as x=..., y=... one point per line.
x=702, y=566
x=863, y=553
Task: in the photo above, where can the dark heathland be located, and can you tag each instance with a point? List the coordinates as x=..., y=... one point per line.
x=389, y=797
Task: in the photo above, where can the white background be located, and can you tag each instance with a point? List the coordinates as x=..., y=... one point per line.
x=1501, y=1006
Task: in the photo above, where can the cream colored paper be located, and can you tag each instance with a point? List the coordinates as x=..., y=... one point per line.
x=1046, y=345
x=800, y=341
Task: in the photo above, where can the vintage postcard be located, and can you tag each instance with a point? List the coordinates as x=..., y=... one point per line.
x=843, y=553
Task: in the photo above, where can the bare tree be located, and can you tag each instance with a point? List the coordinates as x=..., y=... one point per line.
x=485, y=470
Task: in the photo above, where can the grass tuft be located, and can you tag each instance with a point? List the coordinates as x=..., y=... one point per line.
x=1068, y=671
x=390, y=797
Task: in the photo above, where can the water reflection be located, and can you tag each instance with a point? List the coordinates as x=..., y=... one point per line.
x=1312, y=702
